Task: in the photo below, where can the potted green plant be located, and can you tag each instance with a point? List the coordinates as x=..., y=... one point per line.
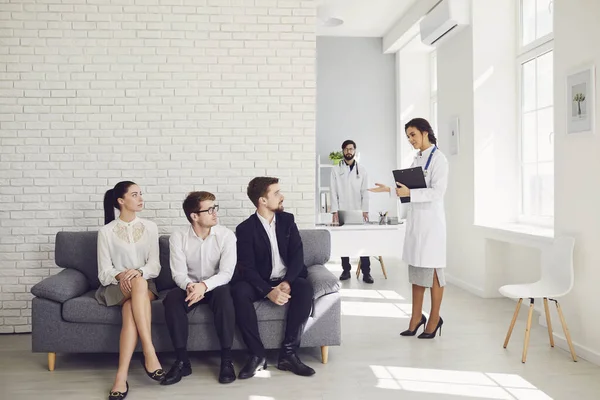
x=336, y=157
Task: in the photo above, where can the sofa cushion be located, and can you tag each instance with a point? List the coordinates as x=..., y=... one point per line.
x=317, y=246
x=65, y=285
x=164, y=280
x=322, y=281
x=78, y=250
x=86, y=309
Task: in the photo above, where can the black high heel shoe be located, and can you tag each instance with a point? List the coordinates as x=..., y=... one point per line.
x=157, y=375
x=118, y=395
x=408, y=332
x=431, y=335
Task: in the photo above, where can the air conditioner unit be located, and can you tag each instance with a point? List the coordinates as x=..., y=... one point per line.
x=444, y=20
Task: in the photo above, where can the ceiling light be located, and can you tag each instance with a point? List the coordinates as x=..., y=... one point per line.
x=331, y=22
x=325, y=17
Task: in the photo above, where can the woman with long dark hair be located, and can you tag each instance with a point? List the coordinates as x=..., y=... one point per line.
x=128, y=260
x=425, y=239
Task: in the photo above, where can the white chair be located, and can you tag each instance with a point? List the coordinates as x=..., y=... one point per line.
x=556, y=281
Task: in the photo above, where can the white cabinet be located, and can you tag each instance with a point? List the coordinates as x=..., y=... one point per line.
x=323, y=199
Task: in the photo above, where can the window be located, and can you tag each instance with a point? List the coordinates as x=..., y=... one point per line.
x=536, y=112
x=433, y=92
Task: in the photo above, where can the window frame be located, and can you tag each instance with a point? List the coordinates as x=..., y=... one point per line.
x=526, y=53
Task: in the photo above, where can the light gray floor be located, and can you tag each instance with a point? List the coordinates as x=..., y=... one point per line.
x=374, y=362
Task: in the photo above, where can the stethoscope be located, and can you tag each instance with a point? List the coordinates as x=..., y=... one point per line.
x=429, y=160
x=355, y=166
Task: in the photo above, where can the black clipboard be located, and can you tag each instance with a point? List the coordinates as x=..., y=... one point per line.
x=412, y=178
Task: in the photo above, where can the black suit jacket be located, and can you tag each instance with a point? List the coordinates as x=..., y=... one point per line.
x=255, y=262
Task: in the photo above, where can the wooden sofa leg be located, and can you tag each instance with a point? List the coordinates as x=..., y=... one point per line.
x=324, y=354
x=51, y=361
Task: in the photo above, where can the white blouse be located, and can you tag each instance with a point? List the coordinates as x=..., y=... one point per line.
x=127, y=245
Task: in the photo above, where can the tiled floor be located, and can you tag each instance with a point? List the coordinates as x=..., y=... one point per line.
x=374, y=362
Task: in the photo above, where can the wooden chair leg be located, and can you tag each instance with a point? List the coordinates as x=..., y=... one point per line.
x=382, y=267
x=566, y=330
x=51, y=361
x=512, y=323
x=358, y=270
x=527, y=332
x=324, y=354
x=548, y=322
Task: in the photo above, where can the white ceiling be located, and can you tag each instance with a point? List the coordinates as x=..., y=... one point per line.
x=362, y=18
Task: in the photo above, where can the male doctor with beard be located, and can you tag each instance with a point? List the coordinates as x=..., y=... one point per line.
x=349, y=192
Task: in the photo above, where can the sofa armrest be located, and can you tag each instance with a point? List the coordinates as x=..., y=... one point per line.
x=65, y=285
x=322, y=281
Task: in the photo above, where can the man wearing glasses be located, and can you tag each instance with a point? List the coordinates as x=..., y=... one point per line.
x=203, y=258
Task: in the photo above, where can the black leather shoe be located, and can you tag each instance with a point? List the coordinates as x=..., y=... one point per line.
x=118, y=395
x=253, y=365
x=177, y=371
x=227, y=373
x=345, y=276
x=157, y=375
x=291, y=362
x=367, y=278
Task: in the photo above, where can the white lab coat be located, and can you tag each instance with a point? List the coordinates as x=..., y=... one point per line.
x=425, y=239
x=349, y=189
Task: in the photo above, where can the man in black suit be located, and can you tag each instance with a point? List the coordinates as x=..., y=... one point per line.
x=271, y=265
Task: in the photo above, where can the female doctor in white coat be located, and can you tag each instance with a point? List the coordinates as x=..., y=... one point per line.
x=425, y=240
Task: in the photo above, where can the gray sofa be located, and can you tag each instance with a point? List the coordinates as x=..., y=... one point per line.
x=66, y=318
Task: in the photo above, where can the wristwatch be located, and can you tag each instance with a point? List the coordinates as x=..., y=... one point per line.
x=141, y=272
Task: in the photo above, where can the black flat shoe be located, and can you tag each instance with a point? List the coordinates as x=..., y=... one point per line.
x=177, y=371
x=253, y=365
x=227, y=373
x=157, y=375
x=431, y=335
x=118, y=395
x=408, y=332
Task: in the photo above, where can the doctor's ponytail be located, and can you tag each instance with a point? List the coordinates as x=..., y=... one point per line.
x=422, y=125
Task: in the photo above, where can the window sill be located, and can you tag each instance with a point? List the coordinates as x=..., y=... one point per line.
x=518, y=233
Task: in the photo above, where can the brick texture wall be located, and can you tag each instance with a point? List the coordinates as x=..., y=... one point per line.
x=176, y=95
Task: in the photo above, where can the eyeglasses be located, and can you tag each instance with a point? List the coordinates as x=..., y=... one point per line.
x=210, y=210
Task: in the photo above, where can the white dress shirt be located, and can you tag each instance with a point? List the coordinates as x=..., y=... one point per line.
x=127, y=245
x=211, y=260
x=279, y=268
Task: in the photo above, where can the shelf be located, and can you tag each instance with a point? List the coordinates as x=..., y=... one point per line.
x=326, y=165
x=324, y=188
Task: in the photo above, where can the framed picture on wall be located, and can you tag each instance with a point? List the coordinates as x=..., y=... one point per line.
x=581, y=100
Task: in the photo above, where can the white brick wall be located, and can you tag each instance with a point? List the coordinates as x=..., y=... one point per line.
x=176, y=95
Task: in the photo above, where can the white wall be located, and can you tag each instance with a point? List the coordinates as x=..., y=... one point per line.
x=576, y=169
x=414, y=68
x=175, y=95
x=356, y=99
x=466, y=264
x=476, y=260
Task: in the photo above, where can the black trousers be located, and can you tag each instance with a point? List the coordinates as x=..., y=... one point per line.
x=220, y=303
x=365, y=264
x=300, y=304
